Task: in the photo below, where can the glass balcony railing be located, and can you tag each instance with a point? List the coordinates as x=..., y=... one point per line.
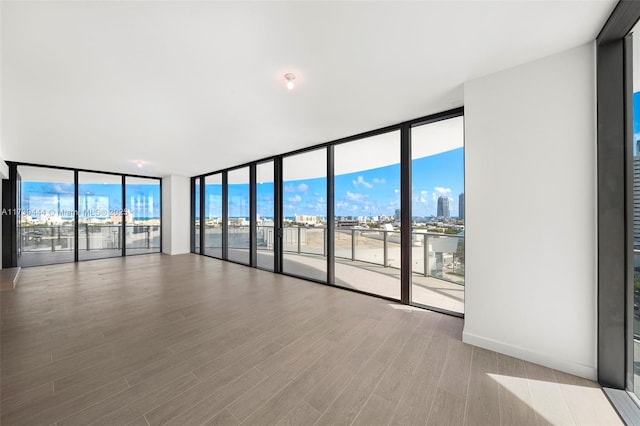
x=43, y=238
x=302, y=240
x=99, y=237
x=142, y=238
x=42, y=244
x=434, y=255
x=45, y=244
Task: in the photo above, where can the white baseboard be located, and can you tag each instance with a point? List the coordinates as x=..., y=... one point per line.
x=176, y=252
x=586, y=371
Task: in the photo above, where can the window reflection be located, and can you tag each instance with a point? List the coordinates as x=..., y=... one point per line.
x=100, y=213
x=46, y=222
x=142, y=216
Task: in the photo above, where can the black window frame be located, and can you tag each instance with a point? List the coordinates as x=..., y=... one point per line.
x=405, y=204
x=10, y=203
x=615, y=208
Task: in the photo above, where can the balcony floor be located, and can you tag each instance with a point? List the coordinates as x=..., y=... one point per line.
x=376, y=279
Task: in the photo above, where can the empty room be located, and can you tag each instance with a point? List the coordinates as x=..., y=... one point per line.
x=320, y=212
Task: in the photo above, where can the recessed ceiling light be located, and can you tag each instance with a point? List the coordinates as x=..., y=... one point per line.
x=290, y=80
x=139, y=164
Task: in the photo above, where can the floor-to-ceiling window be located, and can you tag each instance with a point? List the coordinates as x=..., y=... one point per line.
x=142, y=201
x=367, y=214
x=46, y=220
x=100, y=215
x=66, y=215
x=381, y=213
x=304, y=211
x=238, y=230
x=437, y=254
x=265, y=209
x=213, y=215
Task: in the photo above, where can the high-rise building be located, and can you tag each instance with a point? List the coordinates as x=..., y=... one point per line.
x=443, y=207
x=461, y=206
x=397, y=215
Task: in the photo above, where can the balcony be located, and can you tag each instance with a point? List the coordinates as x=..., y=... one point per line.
x=366, y=260
x=47, y=244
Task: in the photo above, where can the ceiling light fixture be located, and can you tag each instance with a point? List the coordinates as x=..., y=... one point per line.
x=290, y=80
x=139, y=164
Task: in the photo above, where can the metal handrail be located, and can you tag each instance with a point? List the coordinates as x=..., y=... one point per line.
x=60, y=237
x=295, y=241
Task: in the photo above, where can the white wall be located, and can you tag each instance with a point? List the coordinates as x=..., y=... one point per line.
x=176, y=199
x=530, y=163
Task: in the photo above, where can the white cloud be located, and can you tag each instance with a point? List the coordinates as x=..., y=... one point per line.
x=360, y=181
x=379, y=181
x=442, y=191
x=295, y=199
x=396, y=191
x=355, y=197
x=303, y=187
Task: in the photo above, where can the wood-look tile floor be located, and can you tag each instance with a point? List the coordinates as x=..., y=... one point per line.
x=189, y=340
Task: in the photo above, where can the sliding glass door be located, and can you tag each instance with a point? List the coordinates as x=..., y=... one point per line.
x=437, y=245
x=367, y=214
x=304, y=231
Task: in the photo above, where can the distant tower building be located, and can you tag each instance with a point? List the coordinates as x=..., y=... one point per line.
x=397, y=215
x=636, y=195
x=443, y=207
x=461, y=206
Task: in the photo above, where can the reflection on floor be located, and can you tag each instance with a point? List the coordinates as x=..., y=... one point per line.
x=190, y=340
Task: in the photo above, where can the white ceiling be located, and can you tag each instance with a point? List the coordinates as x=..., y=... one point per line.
x=192, y=87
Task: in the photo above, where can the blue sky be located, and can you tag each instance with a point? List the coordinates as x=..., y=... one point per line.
x=377, y=191
x=365, y=193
